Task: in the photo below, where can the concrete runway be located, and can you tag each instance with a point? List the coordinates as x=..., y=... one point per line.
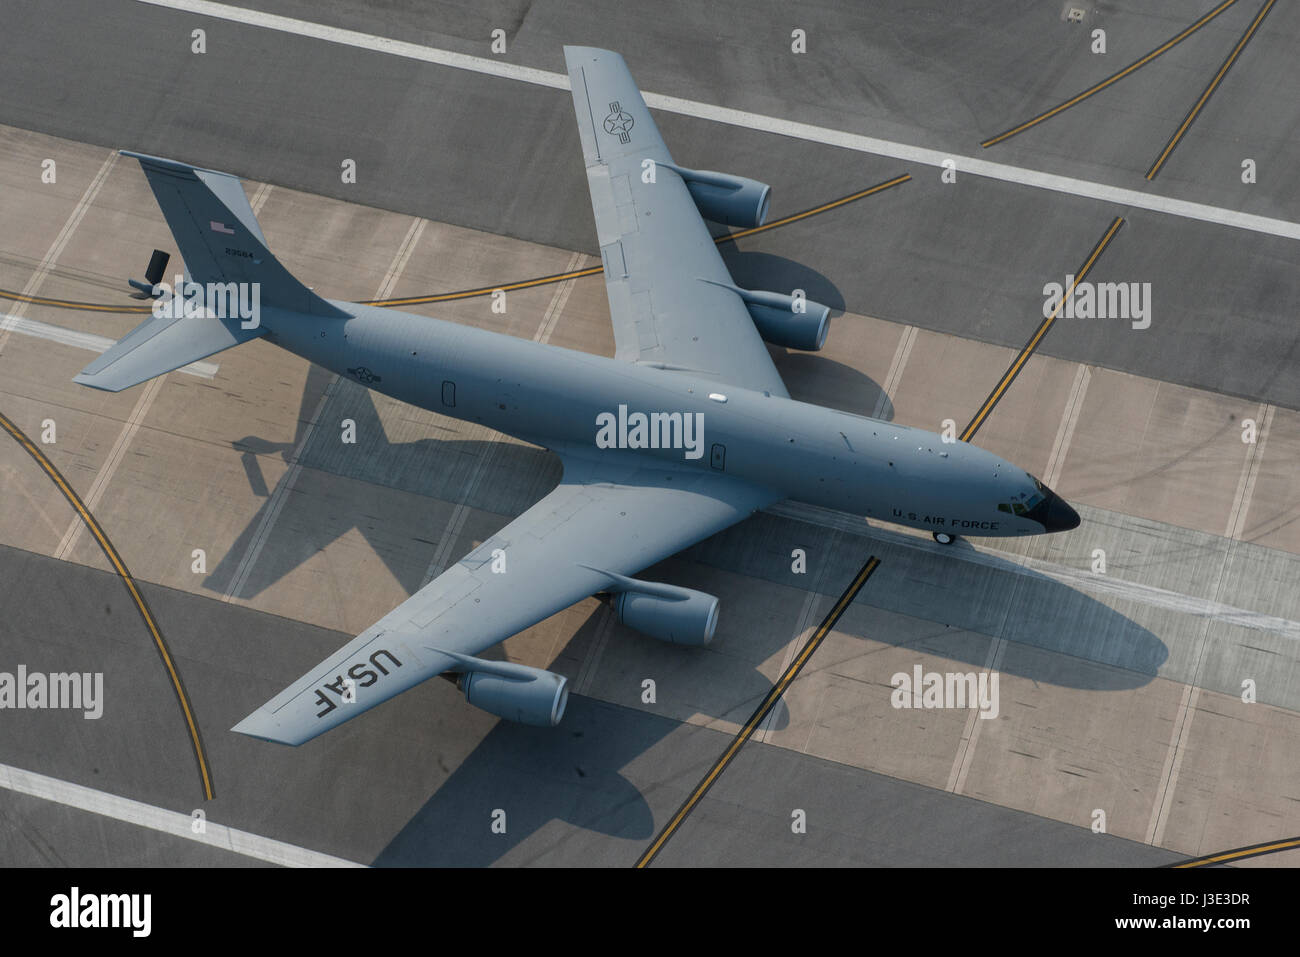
x=1122, y=691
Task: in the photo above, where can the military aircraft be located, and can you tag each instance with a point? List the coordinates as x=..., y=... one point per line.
x=686, y=431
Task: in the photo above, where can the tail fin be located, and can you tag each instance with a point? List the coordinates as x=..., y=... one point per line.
x=221, y=243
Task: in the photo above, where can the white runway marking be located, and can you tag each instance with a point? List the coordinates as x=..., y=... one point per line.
x=259, y=198
x=970, y=735
x=168, y=822
x=85, y=340
x=895, y=374
x=142, y=405
x=805, y=625
x=1064, y=435
x=42, y=272
x=1249, y=472
x=1182, y=732
x=756, y=121
x=1155, y=832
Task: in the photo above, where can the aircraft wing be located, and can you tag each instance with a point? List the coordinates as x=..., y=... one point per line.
x=656, y=251
x=615, y=517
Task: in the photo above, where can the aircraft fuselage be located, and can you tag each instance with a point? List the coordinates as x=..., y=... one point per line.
x=556, y=397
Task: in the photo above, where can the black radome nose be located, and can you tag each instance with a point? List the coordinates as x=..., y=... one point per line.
x=1061, y=517
x=1054, y=514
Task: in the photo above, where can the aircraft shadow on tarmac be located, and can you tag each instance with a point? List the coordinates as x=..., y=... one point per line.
x=537, y=776
x=433, y=467
x=575, y=773
x=810, y=376
x=758, y=270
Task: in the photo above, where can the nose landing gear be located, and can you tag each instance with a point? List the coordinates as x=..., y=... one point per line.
x=944, y=538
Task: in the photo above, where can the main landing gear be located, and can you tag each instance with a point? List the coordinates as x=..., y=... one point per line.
x=944, y=538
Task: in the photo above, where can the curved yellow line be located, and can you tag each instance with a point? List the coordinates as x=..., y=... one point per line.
x=120, y=567
x=1114, y=77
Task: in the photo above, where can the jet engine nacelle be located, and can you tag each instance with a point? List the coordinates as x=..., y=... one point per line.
x=723, y=198
x=784, y=320
x=514, y=692
x=682, y=616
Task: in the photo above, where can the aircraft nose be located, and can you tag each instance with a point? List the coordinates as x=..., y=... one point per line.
x=1054, y=514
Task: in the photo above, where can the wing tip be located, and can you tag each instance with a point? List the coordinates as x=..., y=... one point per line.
x=258, y=725
x=94, y=380
x=574, y=53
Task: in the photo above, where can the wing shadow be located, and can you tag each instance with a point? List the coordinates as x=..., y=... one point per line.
x=581, y=775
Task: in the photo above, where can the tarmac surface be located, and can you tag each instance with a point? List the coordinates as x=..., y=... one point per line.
x=503, y=156
x=1124, y=674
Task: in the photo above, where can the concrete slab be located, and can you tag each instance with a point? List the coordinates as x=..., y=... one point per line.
x=24, y=821
x=259, y=403
x=172, y=494
x=36, y=212
x=341, y=554
x=340, y=249
x=1158, y=451
x=1236, y=779
x=968, y=258
x=451, y=259
x=1273, y=516
x=948, y=378
x=1065, y=753
x=36, y=513
x=850, y=372
x=843, y=711
x=117, y=234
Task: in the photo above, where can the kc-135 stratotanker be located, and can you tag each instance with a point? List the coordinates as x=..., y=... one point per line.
x=686, y=431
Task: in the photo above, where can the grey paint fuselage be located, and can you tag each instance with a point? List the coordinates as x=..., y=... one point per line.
x=552, y=397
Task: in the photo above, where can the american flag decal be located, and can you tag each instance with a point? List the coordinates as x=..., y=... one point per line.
x=217, y=227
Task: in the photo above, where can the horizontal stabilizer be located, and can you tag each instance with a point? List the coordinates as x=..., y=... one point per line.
x=161, y=344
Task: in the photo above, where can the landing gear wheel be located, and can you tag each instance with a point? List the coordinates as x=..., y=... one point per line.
x=944, y=538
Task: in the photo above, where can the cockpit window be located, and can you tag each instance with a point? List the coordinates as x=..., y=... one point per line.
x=1023, y=504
